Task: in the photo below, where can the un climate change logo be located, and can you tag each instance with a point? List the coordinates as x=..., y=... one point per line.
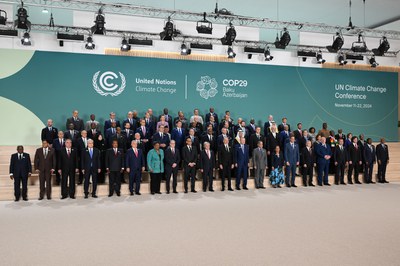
x=104, y=85
x=207, y=87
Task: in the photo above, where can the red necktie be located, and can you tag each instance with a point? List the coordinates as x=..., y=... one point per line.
x=136, y=153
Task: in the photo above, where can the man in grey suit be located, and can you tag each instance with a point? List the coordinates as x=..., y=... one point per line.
x=260, y=163
x=292, y=160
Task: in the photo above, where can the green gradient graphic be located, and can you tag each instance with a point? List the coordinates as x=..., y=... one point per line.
x=51, y=85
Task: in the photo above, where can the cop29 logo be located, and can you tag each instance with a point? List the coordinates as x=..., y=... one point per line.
x=104, y=84
x=207, y=87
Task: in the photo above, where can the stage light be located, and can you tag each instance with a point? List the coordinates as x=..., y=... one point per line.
x=231, y=53
x=169, y=31
x=384, y=46
x=26, y=39
x=3, y=17
x=185, y=50
x=204, y=26
x=341, y=59
x=360, y=46
x=125, y=46
x=373, y=62
x=320, y=59
x=89, y=43
x=337, y=43
x=230, y=35
x=99, y=22
x=22, y=21
x=267, y=54
x=45, y=11
x=284, y=40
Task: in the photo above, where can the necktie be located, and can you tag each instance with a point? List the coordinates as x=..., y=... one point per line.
x=136, y=153
x=93, y=132
x=161, y=135
x=84, y=141
x=166, y=118
x=242, y=148
x=49, y=128
x=209, y=137
x=72, y=133
x=292, y=146
x=355, y=145
x=179, y=130
x=113, y=130
x=74, y=118
x=208, y=154
x=227, y=147
x=341, y=148
x=173, y=151
x=91, y=153
x=115, y=152
x=69, y=153
x=61, y=143
x=19, y=156
x=190, y=149
x=130, y=121
x=45, y=153
x=144, y=130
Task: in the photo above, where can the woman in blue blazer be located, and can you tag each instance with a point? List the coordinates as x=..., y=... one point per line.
x=155, y=165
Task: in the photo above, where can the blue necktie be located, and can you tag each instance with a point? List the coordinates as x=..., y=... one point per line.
x=91, y=153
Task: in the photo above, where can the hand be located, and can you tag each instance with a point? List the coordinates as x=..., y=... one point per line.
x=255, y=167
x=11, y=177
x=128, y=170
x=107, y=170
x=52, y=171
x=37, y=171
x=315, y=164
x=59, y=171
x=387, y=162
x=221, y=167
x=379, y=162
x=268, y=152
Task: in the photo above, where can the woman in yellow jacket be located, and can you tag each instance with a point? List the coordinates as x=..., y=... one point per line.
x=155, y=165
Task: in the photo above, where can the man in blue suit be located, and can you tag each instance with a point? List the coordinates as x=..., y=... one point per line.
x=108, y=123
x=135, y=165
x=20, y=169
x=284, y=138
x=178, y=134
x=161, y=138
x=241, y=159
x=324, y=154
x=90, y=163
x=370, y=159
x=292, y=159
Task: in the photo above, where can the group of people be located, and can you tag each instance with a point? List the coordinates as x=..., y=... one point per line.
x=162, y=145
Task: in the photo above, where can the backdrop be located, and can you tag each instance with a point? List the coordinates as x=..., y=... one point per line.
x=35, y=86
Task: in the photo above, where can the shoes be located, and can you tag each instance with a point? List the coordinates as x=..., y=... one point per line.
x=72, y=197
x=110, y=195
x=343, y=183
x=25, y=199
x=152, y=193
x=119, y=194
x=138, y=193
x=311, y=185
x=372, y=182
x=94, y=196
x=237, y=188
x=86, y=196
x=278, y=186
x=288, y=186
x=194, y=191
x=384, y=181
x=223, y=189
x=132, y=194
x=176, y=192
x=16, y=200
x=185, y=191
x=350, y=182
x=230, y=189
x=48, y=198
x=167, y=192
x=262, y=187
x=158, y=193
x=358, y=182
x=327, y=184
x=245, y=188
x=319, y=184
x=64, y=197
x=79, y=183
x=293, y=185
x=211, y=190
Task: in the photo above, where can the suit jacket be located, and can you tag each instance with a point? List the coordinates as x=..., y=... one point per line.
x=115, y=162
x=163, y=140
x=283, y=139
x=144, y=135
x=49, y=135
x=20, y=168
x=272, y=142
x=362, y=145
x=195, y=142
x=297, y=134
x=220, y=139
x=292, y=155
x=281, y=127
x=240, y=157
x=45, y=164
x=171, y=158
x=267, y=128
x=189, y=157
x=382, y=153
x=95, y=137
x=342, y=136
x=302, y=141
x=80, y=145
x=179, y=138
x=107, y=125
x=57, y=146
x=225, y=157
x=369, y=155
x=134, y=162
x=277, y=161
x=355, y=155
x=322, y=151
x=128, y=136
x=88, y=162
x=155, y=162
x=208, y=115
x=250, y=129
x=340, y=156
x=134, y=123
x=65, y=163
x=109, y=136
x=122, y=141
x=213, y=141
x=260, y=158
x=207, y=164
x=78, y=124
x=74, y=137
x=88, y=125
x=253, y=142
x=307, y=157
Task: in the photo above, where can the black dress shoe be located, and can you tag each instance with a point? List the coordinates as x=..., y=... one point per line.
x=79, y=183
x=211, y=190
x=186, y=191
x=132, y=194
x=262, y=187
x=245, y=188
x=41, y=198
x=238, y=188
x=319, y=184
x=176, y=192
x=48, y=198
x=119, y=194
x=167, y=192
x=64, y=197
x=336, y=183
x=194, y=191
x=25, y=199
x=311, y=185
x=158, y=193
x=110, y=195
x=327, y=184
x=293, y=185
x=288, y=186
x=358, y=182
x=372, y=182
x=230, y=189
x=16, y=200
x=223, y=189
x=138, y=193
x=152, y=193
x=94, y=196
x=86, y=196
x=350, y=182
x=72, y=197
x=384, y=181
x=204, y=190
x=278, y=186
x=342, y=183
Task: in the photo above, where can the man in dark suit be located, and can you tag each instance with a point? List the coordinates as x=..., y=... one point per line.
x=341, y=160
x=251, y=128
x=161, y=138
x=133, y=123
x=145, y=135
x=76, y=121
x=211, y=114
x=281, y=127
x=284, y=138
x=135, y=165
x=45, y=164
x=150, y=122
x=207, y=165
x=355, y=160
x=115, y=165
x=189, y=157
x=211, y=139
x=49, y=133
x=81, y=146
x=382, y=156
x=292, y=159
x=324, y=154
x=178, y=135
x=108, y=123
x=71, y=134
x=254, y=139
x=241, y=159
x=226, y=164
x=95, y=134
x=194, y=139
x=213, y=124
x=268, y=125
x=272, y=142
x=128, y=134
x=67, y=166
x=370, y=159
x=91, y=166
x=224, y=134
x=92, y=120
x=20, y=170
x=110, y=134
x=340, y=135
x=308, y=163
x=298, y=133
x=361, y=144
x=302, y=140
x=122, y=140
x=58, y=144
x=172, y=160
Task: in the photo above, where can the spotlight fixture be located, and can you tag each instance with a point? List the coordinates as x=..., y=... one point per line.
x=304, y=59
x=45, y=11
x=320, y=59
x=185, y=50
x=342, y=60
x=169, y=31
x=231, y=53
x=99, y=22
x=89, y=43
x=360, y=46
x=22, y=21
x=373, y=62
x=267, y=54
x=3, y=17
x=204, y=26
x=230, y=35
x=337, y=43
x=284, y=40
x=26, y=39
x=384, y=46
x=125, y=46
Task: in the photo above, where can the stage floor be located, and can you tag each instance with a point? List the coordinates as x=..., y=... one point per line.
x=340, y=225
